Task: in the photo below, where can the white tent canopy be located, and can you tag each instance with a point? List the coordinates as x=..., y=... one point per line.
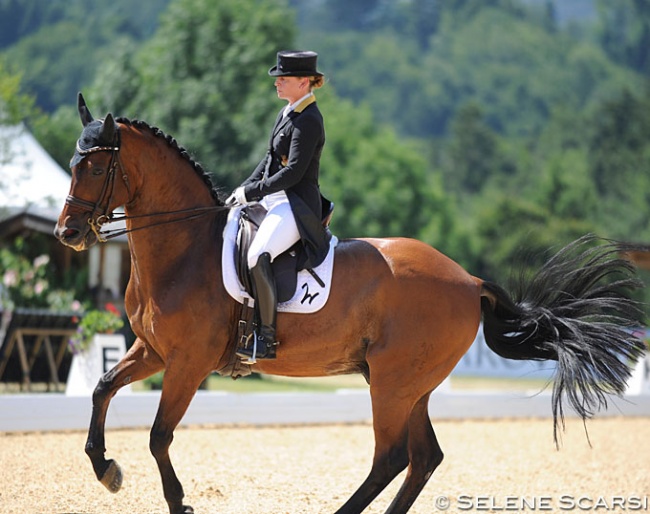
x=28, y=175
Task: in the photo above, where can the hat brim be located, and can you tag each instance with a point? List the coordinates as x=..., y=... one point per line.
x=275, y=72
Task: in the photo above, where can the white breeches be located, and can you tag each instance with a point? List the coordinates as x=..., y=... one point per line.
x=278, y=231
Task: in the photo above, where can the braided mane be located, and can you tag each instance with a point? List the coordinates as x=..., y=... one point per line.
x=172, y=143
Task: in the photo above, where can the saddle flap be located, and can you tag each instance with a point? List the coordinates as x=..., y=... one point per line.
x=310, y=295
x=284, y=266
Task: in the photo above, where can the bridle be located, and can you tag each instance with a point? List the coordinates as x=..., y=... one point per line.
x=99, y=211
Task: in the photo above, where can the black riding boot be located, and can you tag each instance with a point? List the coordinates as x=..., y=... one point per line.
x=266, y=304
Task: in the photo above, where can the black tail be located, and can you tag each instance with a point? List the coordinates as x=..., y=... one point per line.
x=575, y=311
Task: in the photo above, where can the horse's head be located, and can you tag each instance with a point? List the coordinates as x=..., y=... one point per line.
x=95, y=192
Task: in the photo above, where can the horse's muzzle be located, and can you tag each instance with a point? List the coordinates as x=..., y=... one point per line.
x=75, y=235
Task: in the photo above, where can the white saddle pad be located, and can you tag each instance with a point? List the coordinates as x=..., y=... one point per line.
x=309, y=297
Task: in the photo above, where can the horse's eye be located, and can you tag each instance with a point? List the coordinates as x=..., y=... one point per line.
x=98, y=171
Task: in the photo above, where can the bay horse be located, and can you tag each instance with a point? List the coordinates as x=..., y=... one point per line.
x=400, y=312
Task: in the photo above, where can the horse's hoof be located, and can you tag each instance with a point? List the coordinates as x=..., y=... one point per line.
x=185, y=509
x=112, y=479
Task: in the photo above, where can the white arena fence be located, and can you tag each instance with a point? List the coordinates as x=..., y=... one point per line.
x=45, y=412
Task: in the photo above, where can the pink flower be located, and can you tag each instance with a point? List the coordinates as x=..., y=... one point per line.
x=10, y=278
x=39, y=287
x=42, y=260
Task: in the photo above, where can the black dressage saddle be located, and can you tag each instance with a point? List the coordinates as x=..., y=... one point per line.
x=284, y=266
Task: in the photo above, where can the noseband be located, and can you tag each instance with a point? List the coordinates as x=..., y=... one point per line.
x=99, y=211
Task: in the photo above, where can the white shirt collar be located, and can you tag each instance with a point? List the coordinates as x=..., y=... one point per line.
x=295, y=104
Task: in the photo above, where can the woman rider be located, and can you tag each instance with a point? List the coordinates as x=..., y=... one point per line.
x=285, y=182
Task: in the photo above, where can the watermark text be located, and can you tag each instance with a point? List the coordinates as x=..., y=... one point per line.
x=543, y=503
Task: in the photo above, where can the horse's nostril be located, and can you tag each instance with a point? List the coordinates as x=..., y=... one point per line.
x=66, y=234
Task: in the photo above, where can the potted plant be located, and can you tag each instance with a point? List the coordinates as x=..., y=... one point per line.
x=94, y=322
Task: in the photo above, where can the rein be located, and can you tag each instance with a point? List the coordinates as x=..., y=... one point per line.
x=98, y=218
x=194, y=213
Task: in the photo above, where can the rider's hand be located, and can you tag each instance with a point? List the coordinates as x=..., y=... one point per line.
x=238, y=197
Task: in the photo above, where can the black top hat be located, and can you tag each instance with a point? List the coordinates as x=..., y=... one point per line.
x=295, y=64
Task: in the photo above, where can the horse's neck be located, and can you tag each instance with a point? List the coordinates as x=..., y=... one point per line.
x=164, y=179
x=165, y=182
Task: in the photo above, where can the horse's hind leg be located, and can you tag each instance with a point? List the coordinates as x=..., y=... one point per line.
x=403, y=437
x=390, y=423
x=137, y=364
x=425, y=456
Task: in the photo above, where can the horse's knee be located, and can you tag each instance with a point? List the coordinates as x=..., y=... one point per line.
x=105, y=388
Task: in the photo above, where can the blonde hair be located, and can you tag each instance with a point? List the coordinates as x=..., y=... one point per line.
x=316, y=82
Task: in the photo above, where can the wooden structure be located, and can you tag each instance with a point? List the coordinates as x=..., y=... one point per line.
x=34, y=348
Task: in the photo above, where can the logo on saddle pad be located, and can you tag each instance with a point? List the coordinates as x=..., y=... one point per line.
x=304, y=293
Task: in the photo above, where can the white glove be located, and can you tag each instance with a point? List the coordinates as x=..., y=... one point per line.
x=238, y=197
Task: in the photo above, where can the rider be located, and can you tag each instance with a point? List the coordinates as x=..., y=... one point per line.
x=285, y=182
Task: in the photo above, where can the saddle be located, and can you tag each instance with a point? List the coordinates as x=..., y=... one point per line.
x=285, y=268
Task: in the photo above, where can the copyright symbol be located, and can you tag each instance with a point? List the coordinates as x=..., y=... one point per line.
x=442, y=503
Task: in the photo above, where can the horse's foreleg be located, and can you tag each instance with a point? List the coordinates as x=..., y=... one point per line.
x=137, y=364
x=390, y=419
x=179, y=387
x=425, y=456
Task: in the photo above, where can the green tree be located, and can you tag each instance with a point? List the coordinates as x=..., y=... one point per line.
x=380, y=184
x=495, y=54
x=58, y=132
x=619, y=150
x=63, y=43
x=58, y=46
x=15, y=106
x=565, y=187
x=19, y=18
x=516, y=235
x=625, y=32
x=337, y=15
x=473, y=152
x=203, y=78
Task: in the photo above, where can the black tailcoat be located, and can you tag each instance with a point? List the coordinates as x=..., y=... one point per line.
x=291, y=164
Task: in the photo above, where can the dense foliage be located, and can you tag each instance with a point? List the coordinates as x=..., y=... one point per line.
x=59, y=46
x=202, y=78
x=483, y=127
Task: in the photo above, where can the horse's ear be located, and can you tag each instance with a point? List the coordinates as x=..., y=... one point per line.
x=84, y=113
x=109, y=128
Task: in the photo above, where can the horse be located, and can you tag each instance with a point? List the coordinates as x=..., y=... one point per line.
x=400, y=312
